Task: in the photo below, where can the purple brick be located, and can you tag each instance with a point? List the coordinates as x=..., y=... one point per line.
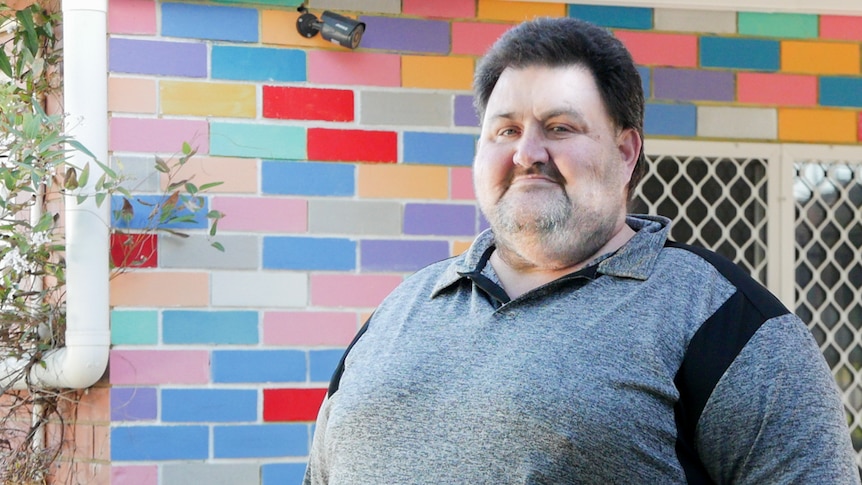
x=188, y=59
x=465, y=114
x=440, y=219
x=133, y=403
x=689, y=84
x=483, y=223
x=410, y=35
x=385, y=255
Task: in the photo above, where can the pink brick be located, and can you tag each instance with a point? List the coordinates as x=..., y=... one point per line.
x=131, y=16
x=309, y=328
x=841, y=27
x=135, y=475
x=475, y=38
x=158, y=135
x=262, y=214
x=776, y=88
x=462, y=184
x=367, y=291
x=439, y=8
x=146, y=367
x=678, y=50
x=354, y=68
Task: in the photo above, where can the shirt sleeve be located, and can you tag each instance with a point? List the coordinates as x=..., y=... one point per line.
x=776, y=414
x=316, y=472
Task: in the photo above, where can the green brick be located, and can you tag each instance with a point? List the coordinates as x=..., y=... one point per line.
x=255, y=140
x=785, y=25
x=134, y=327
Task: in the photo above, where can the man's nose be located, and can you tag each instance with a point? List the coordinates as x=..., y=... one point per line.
x=531, y=149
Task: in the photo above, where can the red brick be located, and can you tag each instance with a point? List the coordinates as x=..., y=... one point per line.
x=647, y=48
x=134, y=250
x=776, y=88
x=354, y=68
x=307, y=103
x=475, y=38
x=439, y=8
x=352, y=145
x=291, y=404
x=841, y=27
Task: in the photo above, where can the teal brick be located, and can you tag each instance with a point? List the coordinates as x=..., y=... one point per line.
x=256, y=140
x=784, y=25
x=258, y=63
x=210, y=327
x=617, y=17
x=736, y=53
x=841, y=91
x=134, y=327
x=260, y=441
x=439, y=148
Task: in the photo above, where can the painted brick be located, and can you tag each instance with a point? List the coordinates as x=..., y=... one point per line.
x=132, y=17
x=618, y=17
x=440, y=8
x=231, y=366
x=209, y=327
x=148, y=443
x=841, y=91
x=308, y=178
x=257, y=140
x=292, y=404
x=260, y=441
x=134, y=404
x=406, y=35
x=147, y=213
x=657, y=49
x=148, y=367
x=350, y=290
x=644, y=73
x=237, y=175
x=776, y=88
x=381, y=6
x=208, y=473
x=134, y=327
x=211, y=22
x=737, y=53
x=736, y=122
x=280, y=3
x=787, y=25
x=437, y=72
x=354, y=68
x=131, y=95
x=208, y=405
x=817, y=125
x=163, y=288
x=156, y=57
x=322, y=364
x=401, y=255
x=262, y=214
x=293, y=103
x=403, y=181
x=690, y=84
x=860, y=126
x=273, y=31
x=309, y=328
x=684, y=20
x=465, y=113
x=196, y=251
x=276, y=473
x=138, y=172
x=820, y=57
x=462, y=184
x=474, y=38
x=157, y=135
x=309, y=253
x=439, y=148
x=518, y=11
x=440, y=219
x=365, y=217
x=134, y=250
x=404, y=108
x=352, y=145
x=259, y=289
x=845, y=27
x=460, y=247
x=670, y=119
x=208, y=99
x=137, y=474
x=257, y=63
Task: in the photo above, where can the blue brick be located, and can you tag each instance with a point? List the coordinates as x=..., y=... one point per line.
x=308, y=178
x=258, y=366
x=209, y=22
x=322, y=364
x=256, y=140
x=209, y=405
x=670, y=119
x=148, y=443
x=186, y=59
x=645, y=80
x=258, y=63
x=439, y=148
x=261, y=441
x=282, y=473
x=737, y=53
x=406, y=35
x=309, y=253
x=841, y=91
x=619, y=17
x=143, y=217
x=209, y=327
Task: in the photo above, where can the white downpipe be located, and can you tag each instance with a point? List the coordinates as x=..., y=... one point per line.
x=83, y=360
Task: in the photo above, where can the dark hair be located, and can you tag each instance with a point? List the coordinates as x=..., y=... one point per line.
x=555, y=42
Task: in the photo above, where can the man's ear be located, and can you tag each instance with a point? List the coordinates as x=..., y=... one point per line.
x=629, y=144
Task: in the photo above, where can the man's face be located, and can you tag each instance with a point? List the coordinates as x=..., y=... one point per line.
x=550, y=165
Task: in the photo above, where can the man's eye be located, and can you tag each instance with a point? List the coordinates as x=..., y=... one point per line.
x=508, y=132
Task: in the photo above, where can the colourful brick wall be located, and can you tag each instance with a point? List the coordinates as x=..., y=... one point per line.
x=345, y=171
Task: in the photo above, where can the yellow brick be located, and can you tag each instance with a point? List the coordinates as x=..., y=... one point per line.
x=239, y=175
x=131, y=95
x=208, y=99
x=279, y=27
x=403, y=181
x=160, y=289
x=436, y=72
x=817, y=125
x=819, y=57
x=518, y=11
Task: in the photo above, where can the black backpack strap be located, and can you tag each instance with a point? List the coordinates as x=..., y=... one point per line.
x=335, y=381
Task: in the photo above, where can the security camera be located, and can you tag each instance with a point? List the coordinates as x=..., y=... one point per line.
x=335, y=28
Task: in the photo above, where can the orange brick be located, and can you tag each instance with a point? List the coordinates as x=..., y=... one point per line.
x=819, y=57
x=208, y=99
x=94, y=405
x=239, y=175
x=460, y=247
x=279, y=27
x=817, y=125
x=403, y=181
x=518, y=11
x=652, y=49
x=436, y=72
x=160, y=289
x=131, y=95
x=776, y=88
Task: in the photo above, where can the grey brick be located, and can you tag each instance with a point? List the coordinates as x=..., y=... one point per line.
x=240, y=252
x=260, y=289
x=737, y=123
x=139, y=171
x=682, y=20
x=354, y=217
x=211, y=474
x=405, y=108
x=364, y=6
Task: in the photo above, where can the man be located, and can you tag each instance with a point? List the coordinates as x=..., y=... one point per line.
x=571, y=343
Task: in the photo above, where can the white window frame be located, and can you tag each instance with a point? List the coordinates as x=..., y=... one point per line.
x=834, y=7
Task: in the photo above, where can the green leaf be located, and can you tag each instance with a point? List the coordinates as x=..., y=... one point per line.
x=108, y=170
x=81, y=198
x=161, y=166
x=85, y=175
x=31, y=40
x=81, y=148
x=191, y=188
x=187, y=149
x=208, y=186
x=100, y=197
x=214, y=227
x=217, y=245
x=5, y=66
